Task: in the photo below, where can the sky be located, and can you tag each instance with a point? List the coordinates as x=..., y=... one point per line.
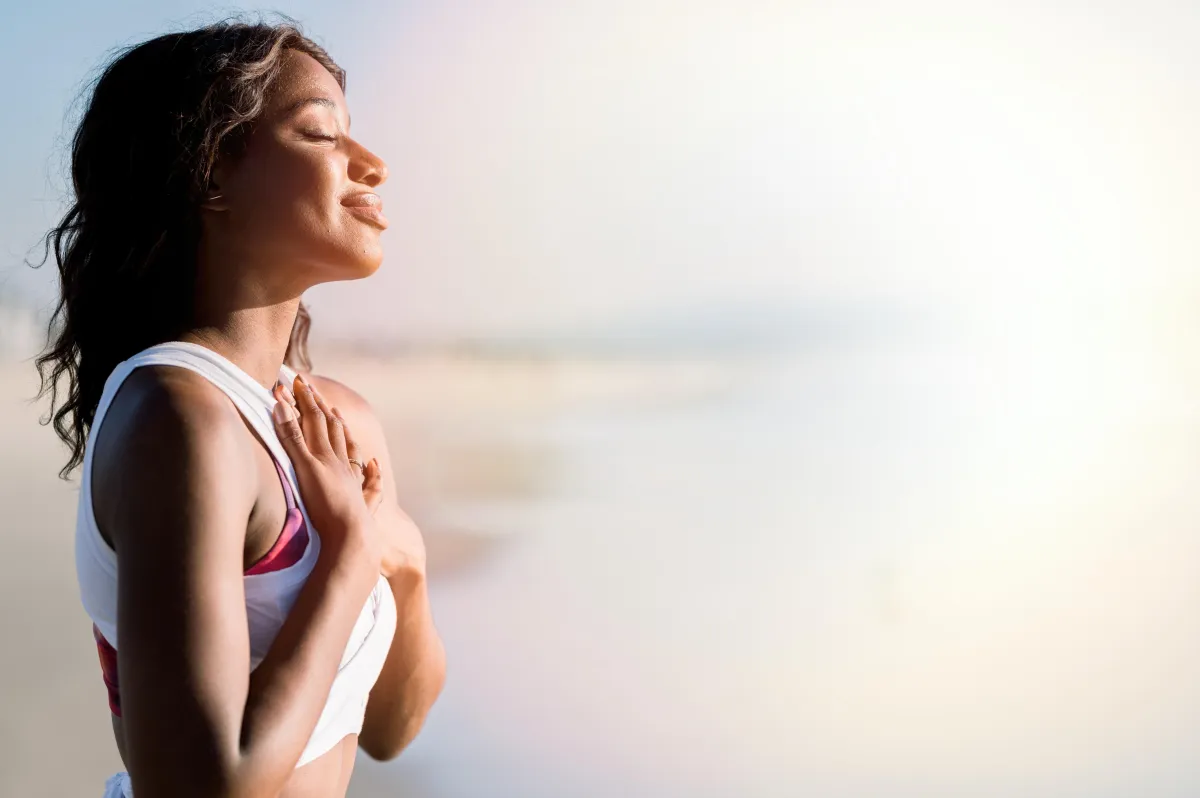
x=1023, y=170
x=597, y=164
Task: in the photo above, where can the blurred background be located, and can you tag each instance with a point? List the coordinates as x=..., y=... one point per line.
x=797, y=398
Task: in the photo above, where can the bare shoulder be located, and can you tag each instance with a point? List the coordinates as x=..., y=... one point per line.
x=360, y=416
x=160, y=407
x=169, y=436
x=341, y=396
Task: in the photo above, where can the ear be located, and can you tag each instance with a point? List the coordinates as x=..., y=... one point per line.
x=214, y=199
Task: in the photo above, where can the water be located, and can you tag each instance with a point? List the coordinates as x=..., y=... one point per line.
x=886, y=569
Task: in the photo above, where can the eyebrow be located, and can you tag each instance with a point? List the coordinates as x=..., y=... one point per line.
x=296, y=106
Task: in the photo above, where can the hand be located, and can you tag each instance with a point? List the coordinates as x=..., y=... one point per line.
x=337, y=497
x=372, y=486
x=403, y=546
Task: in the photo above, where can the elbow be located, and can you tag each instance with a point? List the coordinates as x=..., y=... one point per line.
x=387, y=734
x=384, y=745
x=212, y=784
x=193, y=776
x=384, y=748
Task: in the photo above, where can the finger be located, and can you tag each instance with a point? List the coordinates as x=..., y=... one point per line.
x=352, y=450
x=283, y=394
x=337, y=436
x=312, y=419
x=373, y=485
x=287, y=427
x=287, y=424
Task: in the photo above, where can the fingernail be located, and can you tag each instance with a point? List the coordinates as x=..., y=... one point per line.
x=282, y=412
x=288, y=395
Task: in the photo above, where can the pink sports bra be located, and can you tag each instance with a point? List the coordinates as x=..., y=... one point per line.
x=271, y=585
x=286, y=551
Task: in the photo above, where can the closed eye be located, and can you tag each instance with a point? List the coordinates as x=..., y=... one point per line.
x=318, y=135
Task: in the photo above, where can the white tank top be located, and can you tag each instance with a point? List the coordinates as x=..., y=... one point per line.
x=270, y=595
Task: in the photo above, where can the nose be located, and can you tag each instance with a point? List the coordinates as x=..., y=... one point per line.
x=367, y=167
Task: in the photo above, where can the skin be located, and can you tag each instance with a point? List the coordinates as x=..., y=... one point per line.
x=188, y=496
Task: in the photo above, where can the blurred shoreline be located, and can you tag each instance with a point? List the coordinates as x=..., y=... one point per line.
x=453, y=423
x=457, y=424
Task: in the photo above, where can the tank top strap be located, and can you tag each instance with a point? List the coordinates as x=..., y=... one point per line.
x=287, y=486
x=252, y=400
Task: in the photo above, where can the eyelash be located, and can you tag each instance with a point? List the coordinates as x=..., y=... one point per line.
x=319, y=136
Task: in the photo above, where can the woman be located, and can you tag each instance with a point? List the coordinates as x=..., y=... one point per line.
x=265, y=632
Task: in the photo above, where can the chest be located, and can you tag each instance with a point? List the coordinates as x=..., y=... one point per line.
x=273, y=520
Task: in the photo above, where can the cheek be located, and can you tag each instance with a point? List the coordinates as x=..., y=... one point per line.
x=289, y=196
x=288, y=204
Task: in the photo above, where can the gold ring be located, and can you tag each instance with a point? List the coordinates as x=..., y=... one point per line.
x=358, y=463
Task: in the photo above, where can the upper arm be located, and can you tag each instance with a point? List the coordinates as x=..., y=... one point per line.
x=178, y=490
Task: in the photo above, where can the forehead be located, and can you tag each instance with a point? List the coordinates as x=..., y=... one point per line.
x=301, y=78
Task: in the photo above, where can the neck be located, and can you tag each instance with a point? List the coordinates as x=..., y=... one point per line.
x=254, y=339
x=240, y=314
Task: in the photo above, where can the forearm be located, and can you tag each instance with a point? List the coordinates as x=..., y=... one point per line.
x=288, y=689
x=412, y=676
x=415, y=667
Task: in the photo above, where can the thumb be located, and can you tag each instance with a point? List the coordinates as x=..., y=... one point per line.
x=372, y=489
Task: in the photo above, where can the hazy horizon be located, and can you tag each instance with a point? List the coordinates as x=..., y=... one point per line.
x=578, y=165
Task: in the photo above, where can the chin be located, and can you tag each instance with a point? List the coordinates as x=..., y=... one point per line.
x=345, y=259
x=358, y=265
x=371, y=269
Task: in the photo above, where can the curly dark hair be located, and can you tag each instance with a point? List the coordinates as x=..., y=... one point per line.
x=159, y=116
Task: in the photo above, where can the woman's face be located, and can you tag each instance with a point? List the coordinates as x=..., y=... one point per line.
x=300, y=203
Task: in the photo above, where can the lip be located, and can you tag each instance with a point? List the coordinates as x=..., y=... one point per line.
x=373, y=215
x=368, y=199
x=367, y=205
